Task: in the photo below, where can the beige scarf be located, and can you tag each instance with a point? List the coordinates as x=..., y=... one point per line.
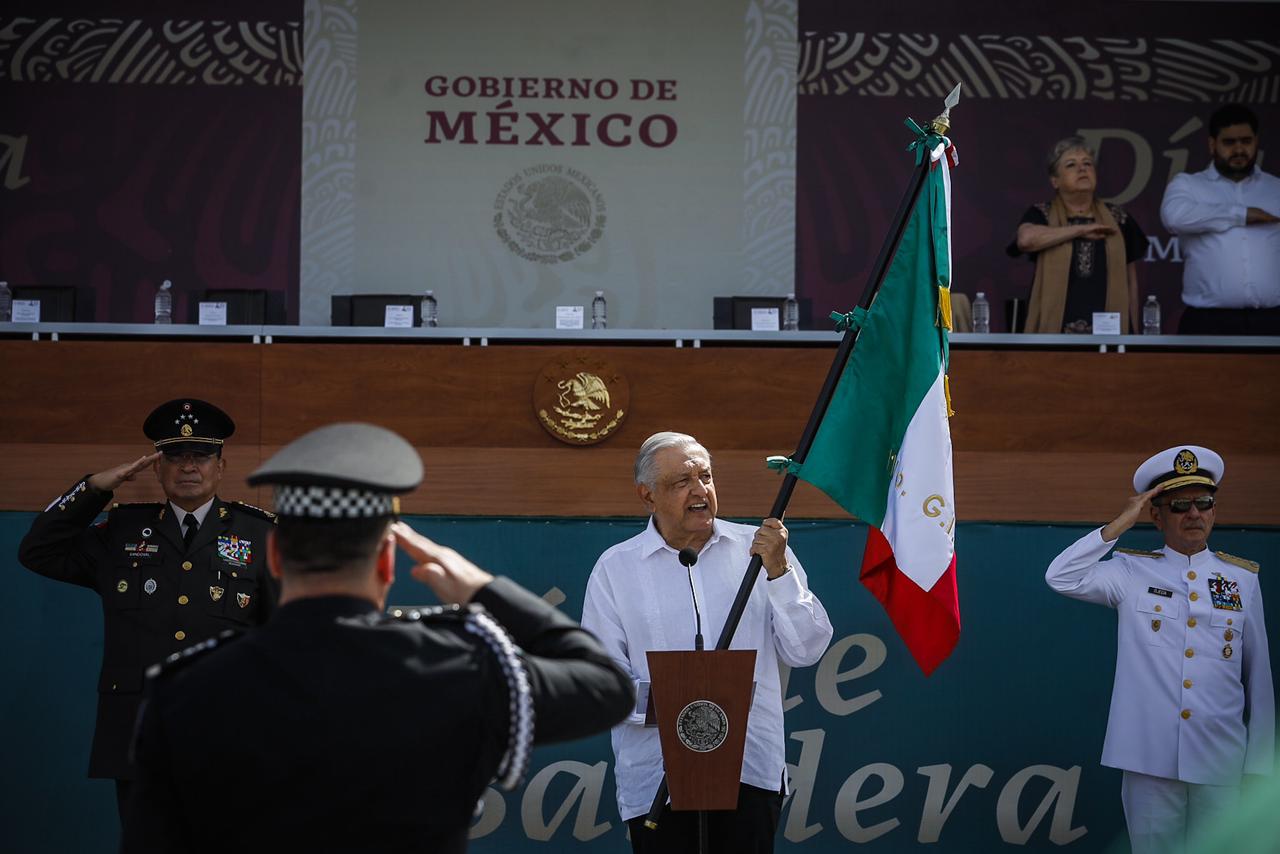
x=1053, y=267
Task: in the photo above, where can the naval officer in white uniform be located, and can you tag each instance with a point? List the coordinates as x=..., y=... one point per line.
x=1192, y=708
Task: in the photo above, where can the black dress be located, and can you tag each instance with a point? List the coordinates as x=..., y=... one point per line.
x=1087, y=280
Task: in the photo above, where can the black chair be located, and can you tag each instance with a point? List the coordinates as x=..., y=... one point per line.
x=370, y=309
x=735, y=312
x=245, y=306
x=57, y=302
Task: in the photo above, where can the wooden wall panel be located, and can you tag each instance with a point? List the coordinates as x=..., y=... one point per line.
x=100, y=391
x=1039, y=436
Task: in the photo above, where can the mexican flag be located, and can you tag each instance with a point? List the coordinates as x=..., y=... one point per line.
x=883, y=449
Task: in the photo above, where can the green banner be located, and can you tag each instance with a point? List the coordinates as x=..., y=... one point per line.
x=997, y=751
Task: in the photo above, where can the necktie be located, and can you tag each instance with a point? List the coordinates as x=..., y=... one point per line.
x=192, y=526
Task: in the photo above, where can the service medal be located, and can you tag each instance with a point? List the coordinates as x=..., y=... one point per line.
x=1228, y=635
x=149, y=586
x=234, y=549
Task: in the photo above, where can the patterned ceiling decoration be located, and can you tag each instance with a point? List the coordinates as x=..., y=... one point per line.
x=176, y=52
x=1054, y=68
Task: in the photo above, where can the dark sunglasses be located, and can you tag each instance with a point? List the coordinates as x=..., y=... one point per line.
x=1182, y=505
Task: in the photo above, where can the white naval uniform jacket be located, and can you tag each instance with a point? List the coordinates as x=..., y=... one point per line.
x=1192, y=699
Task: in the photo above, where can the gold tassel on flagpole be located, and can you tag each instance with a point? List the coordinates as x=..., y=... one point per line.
x=946, y=392
x=944, y=308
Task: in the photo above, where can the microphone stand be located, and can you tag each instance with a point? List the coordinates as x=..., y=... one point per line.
x=940, y=125
x=689, y=557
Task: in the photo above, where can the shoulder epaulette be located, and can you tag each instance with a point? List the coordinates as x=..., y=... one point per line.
x=255, y=511
x=1243, y=563
x=186, y=657
x=418, y=613
x=1140, y=553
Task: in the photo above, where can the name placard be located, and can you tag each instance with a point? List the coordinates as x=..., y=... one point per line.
x=569, y=316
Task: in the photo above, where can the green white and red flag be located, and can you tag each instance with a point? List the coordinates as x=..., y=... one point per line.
x=883, y=448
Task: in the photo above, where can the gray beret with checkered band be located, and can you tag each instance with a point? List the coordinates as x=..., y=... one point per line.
x=342, y=471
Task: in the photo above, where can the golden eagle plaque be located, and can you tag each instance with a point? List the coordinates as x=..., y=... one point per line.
x=580, y=399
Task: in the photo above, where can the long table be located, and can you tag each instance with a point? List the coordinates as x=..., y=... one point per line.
x=1047, y=428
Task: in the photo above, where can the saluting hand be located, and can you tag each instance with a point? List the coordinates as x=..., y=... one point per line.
x=110, y=480
x=1130, y=516
x=452, y=577
x=770, y=542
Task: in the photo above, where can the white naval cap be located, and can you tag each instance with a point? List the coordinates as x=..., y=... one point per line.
x=342, y=471
x=1181, y=465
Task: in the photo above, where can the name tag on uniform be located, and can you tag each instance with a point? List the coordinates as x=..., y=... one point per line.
x=140, y=549
x=1168, y=594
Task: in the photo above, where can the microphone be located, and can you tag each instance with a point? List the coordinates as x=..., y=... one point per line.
x=689, y=557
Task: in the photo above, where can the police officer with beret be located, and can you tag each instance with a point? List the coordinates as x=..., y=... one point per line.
x=370, y=731
x=169, y=574
x=1192, y=708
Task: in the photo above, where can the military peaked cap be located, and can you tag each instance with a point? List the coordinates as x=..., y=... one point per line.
x=342, y=471
x=188, y=424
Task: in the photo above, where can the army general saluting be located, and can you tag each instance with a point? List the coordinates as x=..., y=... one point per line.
x=169, y=574
x=369, y=733
x=1192, y=707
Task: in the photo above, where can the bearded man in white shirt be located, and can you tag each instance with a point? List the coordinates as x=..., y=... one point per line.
x=1227, y=219
x=638, y=599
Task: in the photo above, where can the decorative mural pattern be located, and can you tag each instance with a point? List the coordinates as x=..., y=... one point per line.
x=328, y=156
x=1055, y=68
x=769, y=119
x=139, y=52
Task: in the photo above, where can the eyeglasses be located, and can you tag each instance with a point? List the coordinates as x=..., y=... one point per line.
x=188, y=458
x=1203, y=503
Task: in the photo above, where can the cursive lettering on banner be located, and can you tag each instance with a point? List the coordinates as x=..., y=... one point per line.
x=13, y=150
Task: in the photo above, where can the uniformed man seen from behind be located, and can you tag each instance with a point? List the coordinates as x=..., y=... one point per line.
x=1192, y=708
x=169, y=574
x=370, y=732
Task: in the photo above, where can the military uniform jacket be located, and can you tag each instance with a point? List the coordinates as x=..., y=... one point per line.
x=343, y=730
x=157, y=597
x=1192, y=699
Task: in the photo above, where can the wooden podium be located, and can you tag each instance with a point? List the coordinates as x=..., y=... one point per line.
x=702, y=700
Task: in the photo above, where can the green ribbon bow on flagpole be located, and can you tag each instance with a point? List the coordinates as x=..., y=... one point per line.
x=849, y=320
x=926, y=140
x=782, y=465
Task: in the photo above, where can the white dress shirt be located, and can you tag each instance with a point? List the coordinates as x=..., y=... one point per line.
x=1192, y=698
x=638, y=599
x=200, y=512
x=1227, y=264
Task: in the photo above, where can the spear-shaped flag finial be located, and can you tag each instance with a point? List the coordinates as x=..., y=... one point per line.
x=942, y=123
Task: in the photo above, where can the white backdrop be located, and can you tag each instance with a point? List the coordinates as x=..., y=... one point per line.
x=661, y=224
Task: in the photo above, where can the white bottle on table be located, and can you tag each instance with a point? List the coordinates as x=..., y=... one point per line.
x=164, y=303
x=981, y=314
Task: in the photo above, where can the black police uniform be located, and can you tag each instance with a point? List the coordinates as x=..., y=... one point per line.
x=370, y=734
x=158, y=597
